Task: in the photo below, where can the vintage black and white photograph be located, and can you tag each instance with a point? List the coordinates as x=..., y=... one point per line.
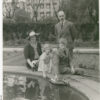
x=50, y=50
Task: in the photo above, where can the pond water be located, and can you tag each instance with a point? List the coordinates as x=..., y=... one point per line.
x=22, y=87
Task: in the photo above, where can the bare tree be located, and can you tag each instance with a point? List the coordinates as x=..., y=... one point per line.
x=14, y=7
x=35, y=7
x=94, y=15
x=10, y=9
x=54, y=8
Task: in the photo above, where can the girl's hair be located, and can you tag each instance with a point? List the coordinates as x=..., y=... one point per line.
x=46, y=46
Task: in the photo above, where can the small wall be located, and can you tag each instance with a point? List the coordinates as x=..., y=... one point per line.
x=90, y=61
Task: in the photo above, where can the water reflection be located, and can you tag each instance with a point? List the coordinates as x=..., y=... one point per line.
x=18, y=87
x=32, y=89
x=21, y=87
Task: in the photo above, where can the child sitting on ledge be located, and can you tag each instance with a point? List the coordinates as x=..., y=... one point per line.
x=44, y=60
x=60, y=60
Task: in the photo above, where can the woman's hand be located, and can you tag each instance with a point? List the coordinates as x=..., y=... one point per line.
x=30, y=63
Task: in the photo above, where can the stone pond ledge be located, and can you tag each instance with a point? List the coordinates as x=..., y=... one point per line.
x=88, y=87
x=76, y=50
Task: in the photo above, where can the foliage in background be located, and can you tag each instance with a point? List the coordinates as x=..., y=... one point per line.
x=20, y=30
x=84, y=13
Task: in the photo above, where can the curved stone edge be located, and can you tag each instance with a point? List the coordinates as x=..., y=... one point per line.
x=85, y=88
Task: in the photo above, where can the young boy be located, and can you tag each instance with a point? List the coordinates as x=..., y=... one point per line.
x=60, y=59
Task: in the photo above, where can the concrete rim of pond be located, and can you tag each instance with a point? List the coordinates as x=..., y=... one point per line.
x=83, y=86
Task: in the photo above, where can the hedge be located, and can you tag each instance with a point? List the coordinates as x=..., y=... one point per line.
x=13, y=31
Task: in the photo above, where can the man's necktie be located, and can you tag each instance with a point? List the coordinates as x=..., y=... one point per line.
x=61, y=25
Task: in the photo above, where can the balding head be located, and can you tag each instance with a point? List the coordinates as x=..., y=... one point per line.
x=61, y=15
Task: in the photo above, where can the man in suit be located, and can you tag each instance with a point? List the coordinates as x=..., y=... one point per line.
x=66, y=29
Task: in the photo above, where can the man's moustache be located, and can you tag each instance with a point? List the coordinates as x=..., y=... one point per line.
x=62, y=19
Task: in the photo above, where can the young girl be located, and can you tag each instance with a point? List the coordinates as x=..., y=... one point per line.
x=44, y=60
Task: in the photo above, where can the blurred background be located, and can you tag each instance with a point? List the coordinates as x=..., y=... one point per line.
x=21, y=16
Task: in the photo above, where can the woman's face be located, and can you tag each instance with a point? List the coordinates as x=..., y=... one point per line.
x=33, y=39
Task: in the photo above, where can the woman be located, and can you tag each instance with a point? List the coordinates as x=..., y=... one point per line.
x=32, y=51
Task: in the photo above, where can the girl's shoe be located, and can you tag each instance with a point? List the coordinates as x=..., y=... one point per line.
x=72, y=69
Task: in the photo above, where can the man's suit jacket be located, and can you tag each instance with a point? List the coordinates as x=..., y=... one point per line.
x=68, y=31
